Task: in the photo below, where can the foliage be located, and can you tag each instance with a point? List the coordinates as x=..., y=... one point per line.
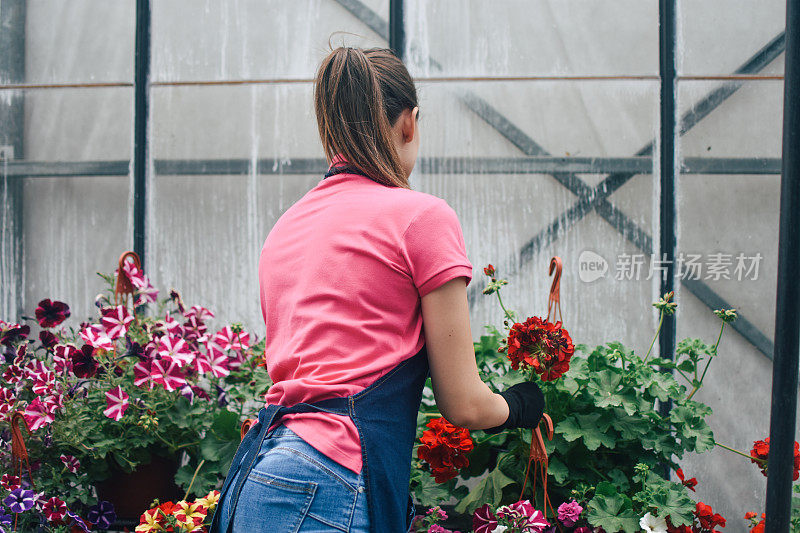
x=133, y=382
x=613, y=436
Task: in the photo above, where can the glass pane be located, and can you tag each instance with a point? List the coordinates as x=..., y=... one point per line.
x=74, y=227
x=79, y=41
x=66, y=195
x=728, y=202
x=514, y=208
x=519, y=38
x=207, y=226
x=716, y=37
x=254, y=39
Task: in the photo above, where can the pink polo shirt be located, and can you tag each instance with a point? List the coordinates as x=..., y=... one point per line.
x=341, y=275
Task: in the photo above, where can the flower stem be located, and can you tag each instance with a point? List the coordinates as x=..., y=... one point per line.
x=196, y=470
x=499, y=299
x=708, y=363
x=761, y=461
x=658, y=331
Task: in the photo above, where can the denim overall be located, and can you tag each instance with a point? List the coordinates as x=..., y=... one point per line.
x=385, y=415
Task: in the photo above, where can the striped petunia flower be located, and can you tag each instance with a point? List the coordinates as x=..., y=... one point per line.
x=54, y=509
x=115, y=321
x=71, y=462
x=19, y=501
x=96, y=336
x=38, y=414
x=167, y=372
x=176, y=350
x=117, y=402
x=212, y=360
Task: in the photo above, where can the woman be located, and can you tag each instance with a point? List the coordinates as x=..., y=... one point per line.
x=348, y=276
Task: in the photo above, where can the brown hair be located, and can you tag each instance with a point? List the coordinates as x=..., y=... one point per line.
x=358, y=96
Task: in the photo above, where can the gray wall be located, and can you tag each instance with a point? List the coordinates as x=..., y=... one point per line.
x=580, y=78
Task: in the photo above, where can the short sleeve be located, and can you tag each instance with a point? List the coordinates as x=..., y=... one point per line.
x=433, y=246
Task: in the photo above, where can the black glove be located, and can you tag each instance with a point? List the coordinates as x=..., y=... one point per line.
x=525, y=406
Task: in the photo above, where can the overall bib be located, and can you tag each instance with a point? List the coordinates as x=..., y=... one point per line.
x=385, y=415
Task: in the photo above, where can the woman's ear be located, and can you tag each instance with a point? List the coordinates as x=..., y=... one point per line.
x=409, y=128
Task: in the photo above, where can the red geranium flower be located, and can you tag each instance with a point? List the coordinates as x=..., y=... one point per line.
x=760, y=456
x=50, y=314
x=444, y=447
x=542, y=345
x=688, y=483
x=489, y=271
x=707, y=517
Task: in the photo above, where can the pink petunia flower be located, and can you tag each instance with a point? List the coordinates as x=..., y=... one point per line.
x=484, y=520
x=54, y=509
x=7, y=399
x=146, y=293
x=212, y=360
x=62, y=357
x=117, y=401
x=226, y=339
x=44, y=383
x=115, y=320
x=12, y=374
x=38, y=415
x=96, y=336
x=142, y=376
x=167, y=372
x=175, y=349
x=201, y=313
x=71, y=463
x=9, y=482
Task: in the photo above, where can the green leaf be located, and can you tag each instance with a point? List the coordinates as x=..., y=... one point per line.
x=558, y=470
x=629, y=427
x=590, y=428
x=612, y=512
x=490, y=491
x=428, y=492
x=676, y=504
x=226, y=426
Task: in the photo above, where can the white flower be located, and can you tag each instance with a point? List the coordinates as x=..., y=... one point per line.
x=653, y=524
x=499, y=529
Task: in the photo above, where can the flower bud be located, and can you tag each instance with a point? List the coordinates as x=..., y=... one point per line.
x=726, y=315
x=665, y=305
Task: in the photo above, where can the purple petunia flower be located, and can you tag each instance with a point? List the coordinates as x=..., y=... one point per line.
x=78, y=521
x=50, y=314
x=20, y=500
x=102, y=515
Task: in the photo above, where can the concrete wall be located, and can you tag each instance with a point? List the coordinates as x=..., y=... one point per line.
x=528, y=60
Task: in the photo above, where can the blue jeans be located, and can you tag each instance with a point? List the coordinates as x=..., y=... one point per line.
x=294, y=488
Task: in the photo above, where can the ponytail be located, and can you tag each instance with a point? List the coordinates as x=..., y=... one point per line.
x=358, y=96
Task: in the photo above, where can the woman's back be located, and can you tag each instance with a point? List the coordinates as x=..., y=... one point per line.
x=341, y=276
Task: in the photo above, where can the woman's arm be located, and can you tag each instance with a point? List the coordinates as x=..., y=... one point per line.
x=460, y=394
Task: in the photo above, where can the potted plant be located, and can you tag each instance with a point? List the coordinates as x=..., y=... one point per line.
x=604, y=464
x=142, y=395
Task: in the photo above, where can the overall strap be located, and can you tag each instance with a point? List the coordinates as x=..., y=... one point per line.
x=385, y=415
